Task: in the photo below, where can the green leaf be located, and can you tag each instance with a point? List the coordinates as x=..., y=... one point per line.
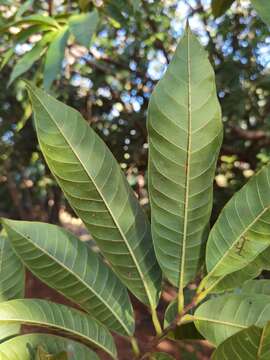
x=83, y=26
x=256, y=287
x=263, y=9
x=12, y=280
x=54, y=57
x=99, y=193
x=251, y=271
x=185, y=132
x=223, y=316
x=242, y=230
x=33, y=19
x=68, y=265
x=24, y=7
x=249, y=344
x=6, y=57
x=27, y=61
x=219, y=7
x=23, y=347
x=61, y=317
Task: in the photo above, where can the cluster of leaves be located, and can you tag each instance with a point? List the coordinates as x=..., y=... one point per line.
x=106, y=86
x=230, y=309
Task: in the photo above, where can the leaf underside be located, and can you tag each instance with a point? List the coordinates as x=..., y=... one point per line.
x=49, y=314
x=97, y=190
x=185, y=133
x=249, y=344
x=12, y=281
x=242, y=231
x=25, y=346
x=68, y=265
x=223, y=316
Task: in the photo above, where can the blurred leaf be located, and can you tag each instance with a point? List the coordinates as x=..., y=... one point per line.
x=83, y=26
x=44, y=355
x=263, y=9
x=27, y=60
x=5, y=59
x=24, y=7
x=219, y=7
x=33, y=19
x=160, y=356
x=248, y=344
x=54, y=57
x=24, y=347
x=84, y=4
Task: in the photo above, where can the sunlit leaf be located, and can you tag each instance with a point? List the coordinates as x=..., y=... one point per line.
x=83, y=26
x=54, y=57
x=263, y=9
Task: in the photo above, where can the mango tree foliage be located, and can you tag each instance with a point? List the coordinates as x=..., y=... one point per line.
x=185, y=133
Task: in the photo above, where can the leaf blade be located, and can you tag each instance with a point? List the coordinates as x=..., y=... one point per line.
x=83, y=26
x=263, y=9
x=103, y=295
x=49, y=314
x=178, y=141
x=55, y=56
x=121, y=230
x=21, y=347
x=241, y=232
x=221, y=317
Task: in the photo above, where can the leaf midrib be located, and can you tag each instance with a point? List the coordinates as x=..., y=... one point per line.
x=105, y=202
x=73, y=274
x=48, y=324
x=182, y=254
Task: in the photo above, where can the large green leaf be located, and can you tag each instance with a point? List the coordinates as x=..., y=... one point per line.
x=256, y=287
x=32, y=19
x=242, y=230
x=221, y=317
x=68, y=265
x=249, y=344
x=83, y=26
x=263, y=9
x=99, y=193
x=61, y=317
x=219, y=7
x=55, y=56
x=251, y=271
x=27, y=61
x=25, y=346
x=185, y=132
x=12, y=281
